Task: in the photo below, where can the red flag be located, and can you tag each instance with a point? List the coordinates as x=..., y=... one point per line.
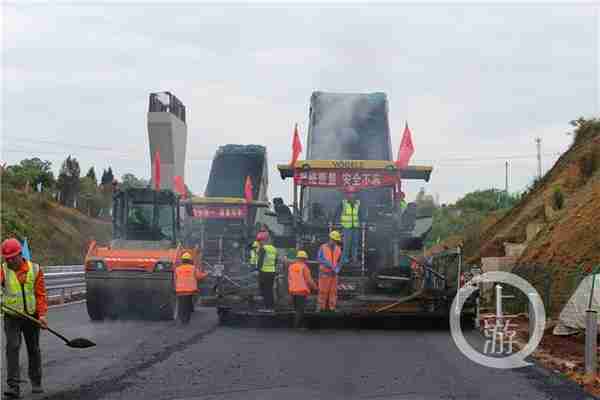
x=248, y=190
x=179, y=186
x=296, y=146
x=157, y=170
x=406, y=149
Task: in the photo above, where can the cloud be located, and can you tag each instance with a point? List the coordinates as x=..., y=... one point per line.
x=473, y=81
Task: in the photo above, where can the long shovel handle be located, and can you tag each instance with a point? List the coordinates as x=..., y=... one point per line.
x=20, y=314
x=34, y=320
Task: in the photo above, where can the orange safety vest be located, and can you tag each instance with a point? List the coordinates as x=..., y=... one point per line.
x=186, y=279
x=332, y=257
x=299, y=279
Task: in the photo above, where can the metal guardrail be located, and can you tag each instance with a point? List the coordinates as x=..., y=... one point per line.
x=64, y=281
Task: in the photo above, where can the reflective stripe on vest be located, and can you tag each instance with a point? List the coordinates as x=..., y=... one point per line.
x=349, y=217
x=296, y=283
x=332, y=257
x=185, y=279
x=17, y=296
x=270, y=258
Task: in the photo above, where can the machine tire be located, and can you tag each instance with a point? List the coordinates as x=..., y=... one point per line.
x=168, y=310
x=223, y=314
x=94, y=308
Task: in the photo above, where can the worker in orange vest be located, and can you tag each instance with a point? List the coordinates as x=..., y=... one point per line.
x=300, y=283
x=187, y=276
x=329, y=260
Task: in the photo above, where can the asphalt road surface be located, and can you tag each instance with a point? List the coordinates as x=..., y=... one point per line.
x=158, y=360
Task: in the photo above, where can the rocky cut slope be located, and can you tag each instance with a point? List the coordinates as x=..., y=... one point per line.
x=558, y=220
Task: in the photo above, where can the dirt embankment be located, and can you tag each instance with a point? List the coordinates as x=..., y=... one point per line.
x=562, y=237
x=57, y=235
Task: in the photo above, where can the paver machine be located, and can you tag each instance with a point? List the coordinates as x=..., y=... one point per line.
x=224, y=223
x=349, y=146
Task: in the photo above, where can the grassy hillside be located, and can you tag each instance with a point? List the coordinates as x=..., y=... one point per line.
x=56, y=235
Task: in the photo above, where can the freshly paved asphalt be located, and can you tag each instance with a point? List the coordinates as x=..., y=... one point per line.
x=159, y=360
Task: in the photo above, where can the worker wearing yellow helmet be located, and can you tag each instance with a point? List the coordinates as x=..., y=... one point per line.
x=329, y=267
x=300, y=283
x=187, y=276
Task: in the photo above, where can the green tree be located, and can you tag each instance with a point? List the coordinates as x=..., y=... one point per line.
x=486, y=200
x=131, y=181
x=464, y=218
x=91, y=199
x=92, y=175
x=32, y=170
x=68, y=181
x=107, y=177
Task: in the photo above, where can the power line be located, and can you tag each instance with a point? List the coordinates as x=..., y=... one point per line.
x=119, y=154
x=434, y=161
x=51, y=142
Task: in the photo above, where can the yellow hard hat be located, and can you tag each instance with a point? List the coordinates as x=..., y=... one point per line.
x=302, y=254
x=186, y=256
x=335, y=235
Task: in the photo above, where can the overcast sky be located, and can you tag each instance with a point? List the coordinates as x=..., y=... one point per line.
x=476, y=83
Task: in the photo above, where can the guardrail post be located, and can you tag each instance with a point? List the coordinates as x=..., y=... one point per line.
x=498, y=304
x=591, y=342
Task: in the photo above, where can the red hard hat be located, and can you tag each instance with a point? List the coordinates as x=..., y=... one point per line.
x=10, y=248
x=262, y=236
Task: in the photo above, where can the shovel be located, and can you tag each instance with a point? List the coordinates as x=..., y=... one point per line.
x=78, y=343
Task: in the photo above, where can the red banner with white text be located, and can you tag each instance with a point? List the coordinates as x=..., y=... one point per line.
x=362, y=179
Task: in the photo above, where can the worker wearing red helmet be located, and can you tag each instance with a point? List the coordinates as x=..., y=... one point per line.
x=266, y=264
x=350, y=216
x=24, y=290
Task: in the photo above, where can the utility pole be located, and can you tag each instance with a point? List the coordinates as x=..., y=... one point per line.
x=538, y=142
x=506, y=177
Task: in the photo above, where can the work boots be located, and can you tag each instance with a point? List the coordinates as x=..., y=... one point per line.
x=36, y=388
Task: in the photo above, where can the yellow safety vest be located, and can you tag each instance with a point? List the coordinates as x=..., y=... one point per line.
x=253, y=254
x=19, y=296
x=349, y=218
x=270, y=258
x=402, y=204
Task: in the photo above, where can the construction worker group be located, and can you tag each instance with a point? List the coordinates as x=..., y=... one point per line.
x=264, y=257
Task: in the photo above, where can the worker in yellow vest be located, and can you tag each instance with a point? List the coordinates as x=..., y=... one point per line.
x=350, y=216
x=266, y=264
x=24, y=290
x=402, y=204
x=253, y=256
